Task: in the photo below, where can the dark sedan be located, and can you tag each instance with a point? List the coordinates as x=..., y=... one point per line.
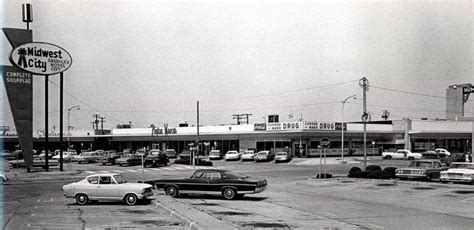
x=421, y=169
x=129, y=160
x=212, y=181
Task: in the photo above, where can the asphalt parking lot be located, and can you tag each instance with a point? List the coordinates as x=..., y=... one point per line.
x=293, y=199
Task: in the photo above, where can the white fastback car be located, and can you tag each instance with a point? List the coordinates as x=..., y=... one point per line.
x=232, y=155
x=107, y=186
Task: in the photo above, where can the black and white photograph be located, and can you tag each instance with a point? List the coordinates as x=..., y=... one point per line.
x=236, y=114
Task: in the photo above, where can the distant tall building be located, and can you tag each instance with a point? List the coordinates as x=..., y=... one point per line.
x=456, y=96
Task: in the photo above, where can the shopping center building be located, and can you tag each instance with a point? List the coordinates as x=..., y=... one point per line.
x=302, y=138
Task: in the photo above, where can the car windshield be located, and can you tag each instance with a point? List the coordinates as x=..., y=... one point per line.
x=248, y=152
x=232, y=152
x=214, y=153
x=233, y=175
x=281, y=154
x=462, y=166
x=119, y=178
x=420, y=164
x=262, y=153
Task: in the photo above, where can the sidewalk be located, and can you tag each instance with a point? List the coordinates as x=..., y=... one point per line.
x=194, y=218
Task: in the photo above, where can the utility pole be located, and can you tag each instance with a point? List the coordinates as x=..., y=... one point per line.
x=96, y=121
x=197, y=137
x=385, y=114
x=247, y=116
x=364, y=83
x=102, y=123
x=237, y=116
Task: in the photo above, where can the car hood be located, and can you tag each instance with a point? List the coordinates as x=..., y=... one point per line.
x=413, y=168
x=466, y=171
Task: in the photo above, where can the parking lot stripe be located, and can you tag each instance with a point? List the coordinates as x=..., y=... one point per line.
x=470, y=200
x=88, y=171
x=104, y=171
x=168, y=169
x=119, y=171
x=156, y=169
x=130, y=170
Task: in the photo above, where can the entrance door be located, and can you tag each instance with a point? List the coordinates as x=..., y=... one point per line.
x=300, y=152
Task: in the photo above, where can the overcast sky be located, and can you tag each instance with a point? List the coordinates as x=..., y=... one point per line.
x=149, y=62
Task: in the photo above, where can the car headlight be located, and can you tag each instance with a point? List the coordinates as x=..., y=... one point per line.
x=398, y=171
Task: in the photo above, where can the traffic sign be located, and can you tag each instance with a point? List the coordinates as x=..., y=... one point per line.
x=324, y=142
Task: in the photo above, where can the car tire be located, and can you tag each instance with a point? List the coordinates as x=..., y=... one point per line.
x=411, y=158
x=131, y=199
x=388, y=157
x=229, y=193
x=82, y=199
x=172, y=191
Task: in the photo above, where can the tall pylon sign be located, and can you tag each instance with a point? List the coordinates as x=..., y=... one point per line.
x=28, y=59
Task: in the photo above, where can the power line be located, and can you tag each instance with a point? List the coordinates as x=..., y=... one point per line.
x=81, y=101
x=407, y=92
x=283, y=92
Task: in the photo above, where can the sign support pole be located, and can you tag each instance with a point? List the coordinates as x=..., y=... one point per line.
x=46, y=131
x=61, y=88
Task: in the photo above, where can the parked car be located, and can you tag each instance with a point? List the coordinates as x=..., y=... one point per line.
x=67, y=157
x=401, y=154
x=170, y=153
x=436, y=153
x=283, y=157
x=129, y=160
x=232, y=155
x=421, y=169
x=107, y=186
x=264, y=156
x=88, y=157
x=185, y=159
x=43, y=153
x=248, y=155
x=3, y=177
x=215, y=155
x=37, y=162
x=109, y=157
x=454, y=157
x=156, y=158
x=459, y=172
x=212, y=181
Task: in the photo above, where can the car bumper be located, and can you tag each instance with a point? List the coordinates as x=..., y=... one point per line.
x=232, y=158
x=411, y=176
x=146, y=195
x=456, y=179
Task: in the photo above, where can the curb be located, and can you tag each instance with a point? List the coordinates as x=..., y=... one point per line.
x=191, y=224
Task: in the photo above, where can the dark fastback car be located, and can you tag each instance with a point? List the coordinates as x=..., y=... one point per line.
x=212, y=181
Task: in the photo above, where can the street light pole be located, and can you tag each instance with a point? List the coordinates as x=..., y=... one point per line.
x=342, y=128
x=68, y=120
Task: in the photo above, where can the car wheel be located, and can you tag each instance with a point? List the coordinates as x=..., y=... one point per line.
x=172, y=191
x=131, y=199
x=411, y=158
x=229, y=193
x=388, y=157
x=82, y=199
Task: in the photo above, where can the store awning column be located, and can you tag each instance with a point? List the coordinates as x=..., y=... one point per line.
x=471, y=119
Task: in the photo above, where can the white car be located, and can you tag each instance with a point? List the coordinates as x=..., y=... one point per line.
x=401, y=154
x=442, y=152
x=458, y=172
x=248, y=155
x=215, y=155
x=232, y=155
x=3, y=177
x=67, y=156
x=107, y=186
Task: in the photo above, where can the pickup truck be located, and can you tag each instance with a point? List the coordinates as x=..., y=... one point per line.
x=401, y=154
x=109, y=158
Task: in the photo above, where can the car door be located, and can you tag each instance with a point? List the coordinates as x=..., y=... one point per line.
x=214, y=181
x=199, y=182
x=89, y=188
x=107, y=188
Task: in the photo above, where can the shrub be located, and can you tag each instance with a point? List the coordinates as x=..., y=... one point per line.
x=389, y=172
x=354, y=172
x=376, y=174
x=373, y=168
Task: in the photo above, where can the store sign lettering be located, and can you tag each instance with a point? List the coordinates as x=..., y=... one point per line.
x=41, y=58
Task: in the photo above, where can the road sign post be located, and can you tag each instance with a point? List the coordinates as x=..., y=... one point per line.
x=324, y=142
